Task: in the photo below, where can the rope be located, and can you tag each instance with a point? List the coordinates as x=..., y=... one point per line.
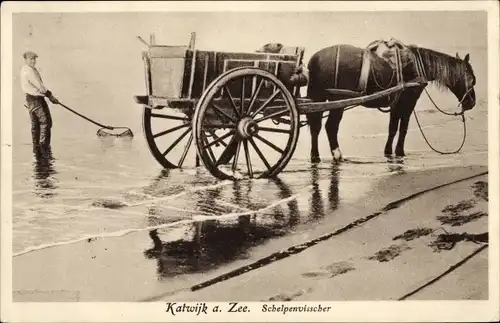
x=445, y=113
x=397, y=95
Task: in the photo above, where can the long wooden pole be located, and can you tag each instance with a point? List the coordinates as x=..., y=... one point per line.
x=310, y=107
x=192, y=47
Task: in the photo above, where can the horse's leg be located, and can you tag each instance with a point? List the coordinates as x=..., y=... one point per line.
x=314, y=121
x=403, y=129
x=393, y=129
x=406, y=106
x=332, y=129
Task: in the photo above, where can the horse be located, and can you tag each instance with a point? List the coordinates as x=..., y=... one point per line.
x=448, y=73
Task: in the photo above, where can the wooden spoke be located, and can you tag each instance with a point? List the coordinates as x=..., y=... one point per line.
x=247, y=156
x=242, y=99
x=275, y=130
x=264, y=160
x=210, y=152
x=235, y=160
x=219, y=139
x=254, y=96
x=270, y=144
x=164, y=116
x=176, y=142
x=186, y=149
x=231, y=100
x=214, y=135
x=157, y=144
x=272, y=115
x=249, y=105
x=221, y=112
x=171, y=130
x=226, y=151
x=265, y=104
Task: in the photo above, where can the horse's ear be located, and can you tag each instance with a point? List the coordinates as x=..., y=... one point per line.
x=458, y=56
x=467, y=57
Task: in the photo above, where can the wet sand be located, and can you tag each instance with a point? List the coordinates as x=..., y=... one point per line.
x=388, y=255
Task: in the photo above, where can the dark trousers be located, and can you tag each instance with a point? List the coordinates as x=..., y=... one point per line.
x=41, y=122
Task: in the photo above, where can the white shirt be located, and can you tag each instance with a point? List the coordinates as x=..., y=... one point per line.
x=31, y=81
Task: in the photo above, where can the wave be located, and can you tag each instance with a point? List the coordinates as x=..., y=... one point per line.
x=196, y=218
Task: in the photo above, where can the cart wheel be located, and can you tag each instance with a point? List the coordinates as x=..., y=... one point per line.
x=246, y=128
x=168, y=135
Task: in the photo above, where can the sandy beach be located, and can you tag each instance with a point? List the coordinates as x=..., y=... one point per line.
x=383, y=247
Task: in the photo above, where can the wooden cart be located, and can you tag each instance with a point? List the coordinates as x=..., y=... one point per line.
x=228, y=104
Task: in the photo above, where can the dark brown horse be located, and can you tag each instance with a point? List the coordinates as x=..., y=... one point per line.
x=447, y=72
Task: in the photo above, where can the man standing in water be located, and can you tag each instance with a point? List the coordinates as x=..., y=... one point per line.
x=41, y=121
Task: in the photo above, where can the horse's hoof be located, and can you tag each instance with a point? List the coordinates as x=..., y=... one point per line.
x=315, y=159
x=337, y=155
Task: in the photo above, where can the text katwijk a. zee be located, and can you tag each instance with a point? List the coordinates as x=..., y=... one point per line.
x=202, y=308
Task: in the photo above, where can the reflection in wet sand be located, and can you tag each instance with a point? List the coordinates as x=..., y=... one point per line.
x=43, y=175
x=316, y=207
x=217, y=242
x=396, y=165
x=333, y=191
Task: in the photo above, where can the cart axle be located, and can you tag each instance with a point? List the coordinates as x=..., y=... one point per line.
x=247, y=127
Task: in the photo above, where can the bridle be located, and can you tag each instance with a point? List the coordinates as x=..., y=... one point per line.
x=461, y=114
x=467, y=92
x=421, y=72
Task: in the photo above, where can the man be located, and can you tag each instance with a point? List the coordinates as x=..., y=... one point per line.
x=41, y=121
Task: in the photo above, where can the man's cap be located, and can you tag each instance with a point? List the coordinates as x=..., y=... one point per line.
x=30, y=54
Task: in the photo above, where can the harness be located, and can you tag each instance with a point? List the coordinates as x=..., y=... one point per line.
x=390, y=51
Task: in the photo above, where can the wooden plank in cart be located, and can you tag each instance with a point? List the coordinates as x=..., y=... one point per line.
x=167, y=64
x=171, y=69
x=210, y=64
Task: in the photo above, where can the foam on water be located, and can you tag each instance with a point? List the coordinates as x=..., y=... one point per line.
x=114, y=234
x=186, y=192
x=249, y=212
x=195, y=218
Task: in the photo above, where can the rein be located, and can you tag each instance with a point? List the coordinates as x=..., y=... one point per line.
x=462, y=114
x=421, y=72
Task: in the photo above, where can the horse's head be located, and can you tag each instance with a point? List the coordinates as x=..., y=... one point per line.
x=464, y=85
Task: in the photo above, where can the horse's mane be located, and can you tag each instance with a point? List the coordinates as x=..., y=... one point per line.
x=443, y=69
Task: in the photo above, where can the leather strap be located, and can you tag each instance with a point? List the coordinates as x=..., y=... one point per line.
x=365, y=71
x=337, y=59
x=399, y=66
x=419, y=66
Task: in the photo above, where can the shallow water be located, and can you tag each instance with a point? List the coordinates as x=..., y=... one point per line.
x=111, y=186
